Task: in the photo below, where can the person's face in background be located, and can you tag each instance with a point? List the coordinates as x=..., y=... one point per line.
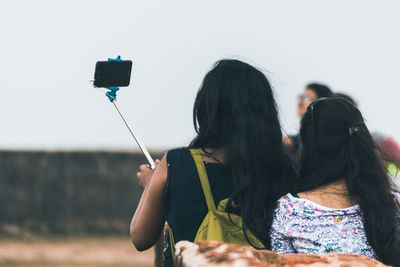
x=304, y=100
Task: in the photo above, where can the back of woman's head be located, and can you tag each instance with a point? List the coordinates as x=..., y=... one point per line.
x=319, y=89
x=337, y=145
x=233, y=97
x=235, y=111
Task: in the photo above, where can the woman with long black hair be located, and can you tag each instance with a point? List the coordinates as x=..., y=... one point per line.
x=240, y=141
x=344, y=201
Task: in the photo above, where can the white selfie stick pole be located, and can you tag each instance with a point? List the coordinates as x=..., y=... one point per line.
x=138, y=141
x=112, y=96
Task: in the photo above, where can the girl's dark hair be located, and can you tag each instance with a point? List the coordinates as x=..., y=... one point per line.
x=337, y=145
x=320, y=90
x=235, y=111
x=347, y=97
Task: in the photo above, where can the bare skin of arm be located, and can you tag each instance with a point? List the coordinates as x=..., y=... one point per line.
x=148, y=220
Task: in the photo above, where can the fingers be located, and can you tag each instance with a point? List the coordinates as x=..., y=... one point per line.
x=145, y=173
x=144, y=167
x=140, y=179
x=157, y=162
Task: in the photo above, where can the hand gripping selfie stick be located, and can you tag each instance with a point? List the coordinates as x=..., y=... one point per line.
x=112, y=96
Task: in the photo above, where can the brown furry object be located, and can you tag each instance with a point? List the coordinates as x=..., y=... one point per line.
x=219, y=254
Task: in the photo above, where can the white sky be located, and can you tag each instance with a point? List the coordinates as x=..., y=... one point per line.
x=49, y=49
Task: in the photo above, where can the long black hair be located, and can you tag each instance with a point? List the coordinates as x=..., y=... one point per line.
x=337, y=145
x=235, y=111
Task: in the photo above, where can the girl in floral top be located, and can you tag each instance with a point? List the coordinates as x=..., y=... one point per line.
x=344, y=201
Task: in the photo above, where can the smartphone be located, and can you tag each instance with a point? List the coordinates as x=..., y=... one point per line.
x=112, y=73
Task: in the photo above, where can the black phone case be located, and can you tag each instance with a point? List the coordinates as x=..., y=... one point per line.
x=112, y=73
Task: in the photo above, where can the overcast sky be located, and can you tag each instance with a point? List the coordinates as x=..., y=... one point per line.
x=49, y=50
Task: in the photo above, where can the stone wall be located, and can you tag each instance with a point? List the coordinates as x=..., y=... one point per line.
x=68, y=192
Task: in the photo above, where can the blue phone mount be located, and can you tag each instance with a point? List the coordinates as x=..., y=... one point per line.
x=112, y=94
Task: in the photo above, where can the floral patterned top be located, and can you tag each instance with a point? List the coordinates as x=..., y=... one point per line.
x=303, y=226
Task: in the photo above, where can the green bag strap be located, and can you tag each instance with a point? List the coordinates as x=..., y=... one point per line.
x=203, y=178
x=201, y=169
x=171, y=242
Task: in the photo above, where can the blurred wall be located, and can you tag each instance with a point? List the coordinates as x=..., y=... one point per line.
x=68, y=192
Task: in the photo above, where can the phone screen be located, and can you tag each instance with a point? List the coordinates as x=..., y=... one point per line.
x=112, y=73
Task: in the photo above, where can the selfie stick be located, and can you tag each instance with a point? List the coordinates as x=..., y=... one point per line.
x=112, y=96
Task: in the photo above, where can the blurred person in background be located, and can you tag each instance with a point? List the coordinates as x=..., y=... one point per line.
x=312, y=92
x=239, y=139
x=344, y=201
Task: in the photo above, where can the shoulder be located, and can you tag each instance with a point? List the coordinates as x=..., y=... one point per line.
x=288, y=200
x=291, y=206
x=286, y=213
x=286, y=205
x=177, y=154
x=179, y=164
x=178, y=150
x=288, y=208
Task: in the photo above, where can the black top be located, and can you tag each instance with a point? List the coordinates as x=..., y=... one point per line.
x=184, y=203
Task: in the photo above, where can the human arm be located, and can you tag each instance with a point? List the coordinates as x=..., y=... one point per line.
x=148, y=220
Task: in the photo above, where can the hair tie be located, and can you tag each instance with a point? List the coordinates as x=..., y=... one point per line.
x=353, y=130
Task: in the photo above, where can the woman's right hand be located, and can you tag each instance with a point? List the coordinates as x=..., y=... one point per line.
x=145, y=173
x=148, y=221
